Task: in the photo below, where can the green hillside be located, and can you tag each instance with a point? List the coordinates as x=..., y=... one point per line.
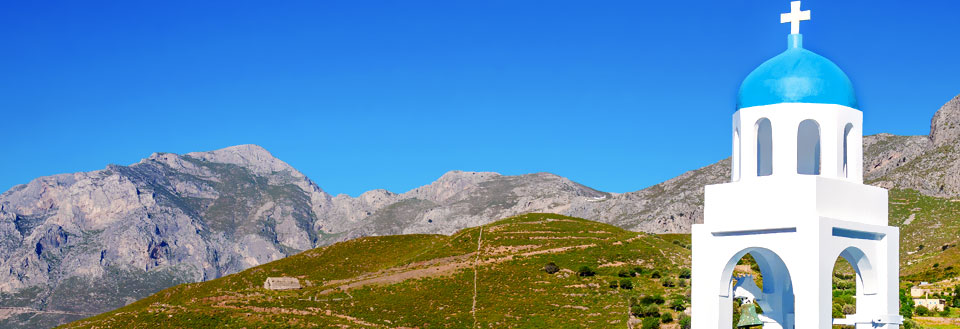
x=429, y=281
x=438, y=281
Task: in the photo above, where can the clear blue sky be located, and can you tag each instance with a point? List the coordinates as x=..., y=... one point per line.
x=617, y=95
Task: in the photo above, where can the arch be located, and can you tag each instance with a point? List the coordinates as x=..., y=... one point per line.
x=777, y=299
x=735, y=159
x=764, y=147
x=866, y=274
x=808, y=147
x=846, y=149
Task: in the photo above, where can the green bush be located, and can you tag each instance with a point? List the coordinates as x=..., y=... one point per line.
x=650, y=323
x=551, y=268
x=652, y=299
x=655, y=275
x=613, y=284
x=678, y=304
x=684, y=274
x=666, y=317
x=626, y=284
x=624, y=273
x=649, y=311
x=684, y=322
x=921, y=311
x=667, y=282
x=586, y=271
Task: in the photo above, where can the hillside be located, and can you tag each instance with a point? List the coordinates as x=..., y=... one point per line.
x=490, y=276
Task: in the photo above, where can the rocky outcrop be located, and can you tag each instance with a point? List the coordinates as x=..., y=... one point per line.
x=929, y=164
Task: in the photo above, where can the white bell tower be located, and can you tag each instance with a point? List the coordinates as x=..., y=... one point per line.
x=796, y=202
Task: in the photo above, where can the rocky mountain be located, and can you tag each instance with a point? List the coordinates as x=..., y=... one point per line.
x=73, y=245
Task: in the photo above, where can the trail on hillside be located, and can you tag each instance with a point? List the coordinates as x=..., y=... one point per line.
x=473, y=309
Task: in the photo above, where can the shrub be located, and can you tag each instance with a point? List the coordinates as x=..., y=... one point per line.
x=684, y=274
x=636, y=310
x=655, y=275
x=551, y=268
x=586, y=271
x=666, y=317
x=678, y=304
x=652, y=299
x=848, y=309
x=668, y=283
x=684, y=322
x=626, y=284
x=613, y=284
x=649, y=311
x=624, y=274
x=639, y=270
x=682, y=283
x=651, y=323
x=921, y=311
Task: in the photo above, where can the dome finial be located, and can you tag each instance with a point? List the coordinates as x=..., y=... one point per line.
x=794, y=17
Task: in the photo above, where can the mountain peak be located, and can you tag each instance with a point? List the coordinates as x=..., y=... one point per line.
x=945, y=126
x=253, y=157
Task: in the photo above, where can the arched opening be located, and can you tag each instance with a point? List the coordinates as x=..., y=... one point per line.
x=735, y=159
x=758, y=279
x=854, y=288
x=846, y=148
x=764, y=147
x=808, y=148
x=844, y=290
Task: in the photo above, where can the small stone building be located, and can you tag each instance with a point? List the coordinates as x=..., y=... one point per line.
x=281, y=283
x=932, y=304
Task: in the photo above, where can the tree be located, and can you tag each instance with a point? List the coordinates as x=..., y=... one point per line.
x=651, y=323
x=585, y=271
x=921, y=311
x=906, y=304
x=551, y=268
x=626, y=284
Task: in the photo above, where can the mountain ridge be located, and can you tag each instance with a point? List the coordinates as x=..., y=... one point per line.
x=202, y=215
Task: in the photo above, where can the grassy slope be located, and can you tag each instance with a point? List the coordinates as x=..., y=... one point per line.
x=427, y=281
x=512, y=291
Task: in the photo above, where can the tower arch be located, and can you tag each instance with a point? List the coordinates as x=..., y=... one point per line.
x=776, y=297
x=808, y=147
x=764, y=133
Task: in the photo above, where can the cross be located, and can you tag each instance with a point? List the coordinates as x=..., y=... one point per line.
x=794, y=17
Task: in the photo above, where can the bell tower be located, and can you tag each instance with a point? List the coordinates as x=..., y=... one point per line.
x=796, y=202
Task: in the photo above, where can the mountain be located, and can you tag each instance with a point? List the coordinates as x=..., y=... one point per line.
x=488, y=277
x=70, y=242
x=75, y=245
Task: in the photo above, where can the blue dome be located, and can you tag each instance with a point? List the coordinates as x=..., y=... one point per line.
x=796, y=76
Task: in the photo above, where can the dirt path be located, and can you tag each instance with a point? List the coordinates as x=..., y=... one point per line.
x=473, y=309
x=6, y=312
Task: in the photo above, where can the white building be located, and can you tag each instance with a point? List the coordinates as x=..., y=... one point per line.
x=796, y=202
